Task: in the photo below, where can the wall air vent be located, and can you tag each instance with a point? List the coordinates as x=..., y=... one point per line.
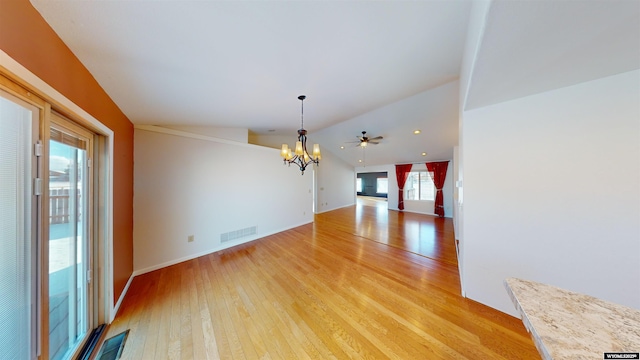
x=237, y=234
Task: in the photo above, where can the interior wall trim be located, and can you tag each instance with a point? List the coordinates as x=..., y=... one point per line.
x=116, y=306
x=164, y=130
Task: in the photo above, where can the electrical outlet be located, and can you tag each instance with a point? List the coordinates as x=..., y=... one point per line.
x=191, y=238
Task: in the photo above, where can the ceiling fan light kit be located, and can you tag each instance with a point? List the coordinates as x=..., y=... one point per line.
x=364, y=140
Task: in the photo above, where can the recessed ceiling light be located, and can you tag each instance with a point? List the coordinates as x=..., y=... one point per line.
x=359, y=160
x=416, y=132
x=424, y=154
x=341, y=147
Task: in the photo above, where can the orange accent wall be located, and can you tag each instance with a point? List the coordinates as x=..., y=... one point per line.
x=27, y=38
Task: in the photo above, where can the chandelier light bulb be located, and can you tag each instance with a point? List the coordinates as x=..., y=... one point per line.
x=284, y=151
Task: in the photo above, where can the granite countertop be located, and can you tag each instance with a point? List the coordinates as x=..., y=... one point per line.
x=569, y=325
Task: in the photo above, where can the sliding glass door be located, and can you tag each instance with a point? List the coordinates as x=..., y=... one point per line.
x=69, y=237
x=52, y=227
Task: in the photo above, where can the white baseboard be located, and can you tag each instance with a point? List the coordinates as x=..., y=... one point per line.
x=335, y=208
x=116, y=307
x=419, y=212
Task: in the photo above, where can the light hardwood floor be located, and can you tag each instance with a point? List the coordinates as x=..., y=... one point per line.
x=361, y=282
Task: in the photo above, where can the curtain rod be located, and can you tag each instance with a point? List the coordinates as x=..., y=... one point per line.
x=424, y=162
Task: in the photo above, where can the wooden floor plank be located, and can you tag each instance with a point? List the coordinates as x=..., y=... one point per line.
x=214, y=303
x=268, y=327
x=360, y=282
x=175, y=325
x=186, y=335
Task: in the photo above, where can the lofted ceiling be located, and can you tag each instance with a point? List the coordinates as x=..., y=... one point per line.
x=244, y=63
x=529, y=47
x=385, y=67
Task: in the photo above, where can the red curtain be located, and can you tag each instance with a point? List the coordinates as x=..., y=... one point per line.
x=402, y=173
x=439, y=170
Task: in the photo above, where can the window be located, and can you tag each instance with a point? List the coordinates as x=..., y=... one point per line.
x=382, y=185
x=419, y=186
x=359, y=185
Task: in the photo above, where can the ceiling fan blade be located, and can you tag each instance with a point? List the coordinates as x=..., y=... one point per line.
x=373, y=142
x=376, y=138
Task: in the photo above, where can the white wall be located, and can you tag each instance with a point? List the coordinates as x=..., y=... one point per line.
x=552, y=192
x=335, y=178
x=336, y=185
x=455, y=197
x=276, y=141
x=475, y=30
x=185, y=186
x=422, y=207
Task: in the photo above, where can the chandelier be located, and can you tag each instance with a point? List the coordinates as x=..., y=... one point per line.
x=300, y=156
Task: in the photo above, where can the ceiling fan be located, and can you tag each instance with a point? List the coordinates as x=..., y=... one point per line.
x=364, y=140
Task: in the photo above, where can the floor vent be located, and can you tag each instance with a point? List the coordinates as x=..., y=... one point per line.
x=232, y=235
x=112, y=347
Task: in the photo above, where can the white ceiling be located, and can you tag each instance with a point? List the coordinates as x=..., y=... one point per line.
x=244, y=63
x=362, y=64
x=529, y=47
x=433, y=112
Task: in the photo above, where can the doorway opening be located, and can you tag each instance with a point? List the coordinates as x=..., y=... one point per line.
x=372, y=184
